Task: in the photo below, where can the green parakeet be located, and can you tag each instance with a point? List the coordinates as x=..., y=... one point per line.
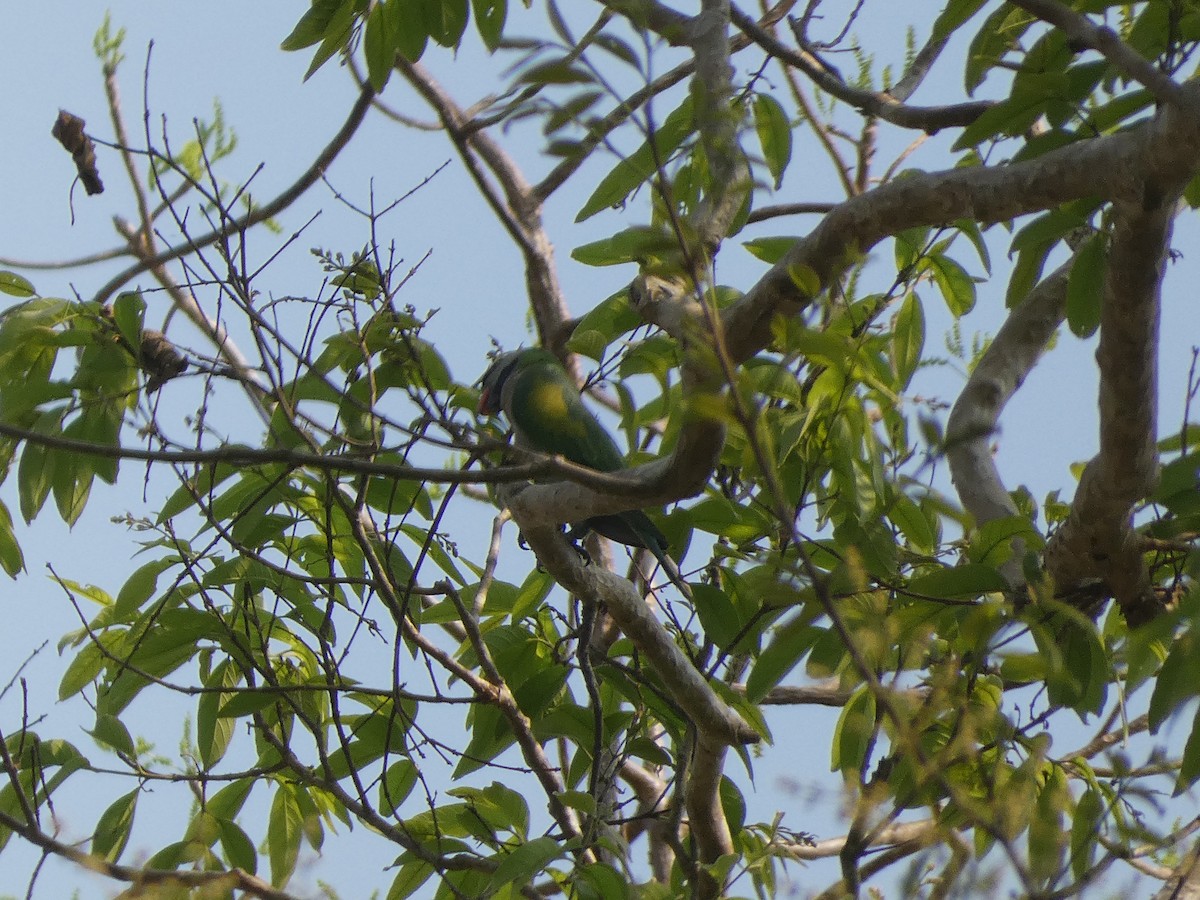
x=547, y=414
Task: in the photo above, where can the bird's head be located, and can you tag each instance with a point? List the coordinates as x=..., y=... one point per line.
x=492, y=393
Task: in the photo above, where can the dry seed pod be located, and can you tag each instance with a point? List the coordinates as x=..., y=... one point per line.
x=68, y=129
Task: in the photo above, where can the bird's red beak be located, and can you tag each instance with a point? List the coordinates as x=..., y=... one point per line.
x=487, y=406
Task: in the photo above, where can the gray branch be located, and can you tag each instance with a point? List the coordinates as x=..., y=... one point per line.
x=715, y=721
x=1000, y=371
x=1098, y=540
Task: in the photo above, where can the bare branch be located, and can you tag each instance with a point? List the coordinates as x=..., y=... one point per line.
x=259, y=214
x=515, y=204
x=873, y=103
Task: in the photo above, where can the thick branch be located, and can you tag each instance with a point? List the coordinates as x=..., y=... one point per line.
x=1184, y=883
x=1000, y=371
x=706, y=818
x=1125, y=166
x=715, y=722
x=1097, y=540
x=729, y=175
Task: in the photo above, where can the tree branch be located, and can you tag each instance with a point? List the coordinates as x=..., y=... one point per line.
x=1080, y=30
x=230, y=880
x=874, y=103
x=259, y=214
x=714, y=720
x=519, y=208
x=1119, y=166
x=1098, y=540
x=1000, y=371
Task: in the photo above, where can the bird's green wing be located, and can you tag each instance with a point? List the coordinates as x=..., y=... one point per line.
x=546, y=408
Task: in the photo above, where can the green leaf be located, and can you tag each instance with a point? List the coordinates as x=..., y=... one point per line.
x=770, y=249
x=113, y=827
x=955, y=14
x=789, y=644
x=314, y=24
x=35, y=477
x=83, y=670
x=1189, y=766
x=522, y=864
x=1046, y=839
x=336, y=35
x=11, y=558
x=638, y=244
x=412, y=875
x=1085, y=287
x=853, y=733
x=379, y=46
x=1008, y=118
x=908, y=340
x=1176, y=680
x=718, y=616
x=408, y=25
x=992, y=542
x=396, y=786
x=112, y=732
x=956, y=286
x=445, y=20
x=284, y=829
x=489, y=21
x=129, y=311
x=603, y=324
x=774, y=135
x=642, y=164
x=958, y=582
x=228, y=801
x=913, y=523
x=239, y=849
x=1085, y=832
x=214, y=730
x=1000, y=33
x=15, y=286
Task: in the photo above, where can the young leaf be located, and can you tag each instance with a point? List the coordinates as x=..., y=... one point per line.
x=774, y=135
x=284, y=828
x=1085, y=287
x=853, y=732
x=314, y=24
x=113, y=827
x=1085, y=832
x=15, y=286
x=908, y=340
x=489, y=21
x=379, y=46
x=642, y=164
x=522, y=864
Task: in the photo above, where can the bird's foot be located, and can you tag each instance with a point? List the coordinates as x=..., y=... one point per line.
x=576, y=534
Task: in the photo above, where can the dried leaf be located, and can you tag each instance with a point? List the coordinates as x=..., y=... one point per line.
x=68, y=130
